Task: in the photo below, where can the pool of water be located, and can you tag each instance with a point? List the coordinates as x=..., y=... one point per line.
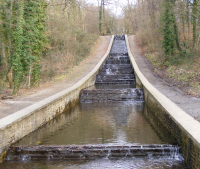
x=119, y=123
x=111, y=123
x=123, y=163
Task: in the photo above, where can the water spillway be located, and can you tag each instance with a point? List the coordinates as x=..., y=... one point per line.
x=117, y=69
x=107, y=95
x=107, y=124
x=116, y=76
x=91, y=152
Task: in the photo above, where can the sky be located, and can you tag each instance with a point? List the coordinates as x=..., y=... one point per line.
x=115, y=5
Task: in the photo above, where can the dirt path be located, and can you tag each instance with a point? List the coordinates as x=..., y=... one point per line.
x=189, y=104
x=10, y=106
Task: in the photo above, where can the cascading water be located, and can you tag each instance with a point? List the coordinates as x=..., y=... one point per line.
x=107, y=126
x=109, y=72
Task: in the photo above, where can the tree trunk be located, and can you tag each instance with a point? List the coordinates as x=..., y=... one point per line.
x=5, y=65
x=18, y=36
x=10, y=78
x=100, y=18
x=188, y=20
x=9, y=73
x=29, y=77
x=194, y=21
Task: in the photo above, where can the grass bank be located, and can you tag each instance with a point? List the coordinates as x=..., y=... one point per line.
x=57, y=65
x=184, y=74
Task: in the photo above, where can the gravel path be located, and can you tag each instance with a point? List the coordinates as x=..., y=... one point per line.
x=10, y=106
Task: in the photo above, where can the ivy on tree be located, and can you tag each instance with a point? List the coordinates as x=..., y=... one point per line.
x=24, y=38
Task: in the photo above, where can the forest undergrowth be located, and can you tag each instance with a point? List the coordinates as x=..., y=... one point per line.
x=185, y=74
x=40, y=42
x=54, y=69
x=168, y=31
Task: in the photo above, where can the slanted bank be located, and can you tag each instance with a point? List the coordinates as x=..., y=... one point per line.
x=25, y=121
x=183, y=127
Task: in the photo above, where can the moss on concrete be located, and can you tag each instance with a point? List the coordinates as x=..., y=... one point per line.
x=3, y=156
x=190, y=149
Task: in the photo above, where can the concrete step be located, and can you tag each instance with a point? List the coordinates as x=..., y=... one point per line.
x=115, y=77
x=120, y=53
x=110, y=95
x=119, y=37
x=132, y=82
x=116, y=61
x=118, y=57
x=112, y=86
x=117, y=66
x=119, y=47
x=84, y=152
x=115, y=71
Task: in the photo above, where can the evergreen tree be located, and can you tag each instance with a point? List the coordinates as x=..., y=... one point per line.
x=34, y=40
x=8, y=19
x=194, y=20
x=170, y=29
x=18, y=41
x=23, y=39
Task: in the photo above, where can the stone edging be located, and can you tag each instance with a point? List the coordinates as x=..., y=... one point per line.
x=188, y=129
x=19, y=124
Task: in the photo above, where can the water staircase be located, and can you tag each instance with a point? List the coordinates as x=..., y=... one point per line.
x=116, y=76
x=115, y=82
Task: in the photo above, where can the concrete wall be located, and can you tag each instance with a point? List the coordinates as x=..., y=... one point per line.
x=25, y=121
x=109, y=95
x=182, y=126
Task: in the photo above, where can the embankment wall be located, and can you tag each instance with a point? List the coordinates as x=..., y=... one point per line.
x=25, y=121
x=182, y=126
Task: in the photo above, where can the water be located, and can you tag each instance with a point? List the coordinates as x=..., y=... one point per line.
x=109, y=86
x=109, y=72
x=124, y=163
x=120, y=123
x=112, y=123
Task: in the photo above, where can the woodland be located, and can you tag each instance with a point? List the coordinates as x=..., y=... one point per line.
x=168, y=32
x=42, y=38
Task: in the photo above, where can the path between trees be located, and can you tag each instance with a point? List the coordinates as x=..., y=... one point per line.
x=11, y=106
x=189, y=104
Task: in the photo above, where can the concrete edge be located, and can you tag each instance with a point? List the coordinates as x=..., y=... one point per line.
x=8, y=120
x=180, y=117
x=68, y=95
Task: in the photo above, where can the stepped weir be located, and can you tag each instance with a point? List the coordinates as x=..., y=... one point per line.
x=116, y=77
x=108, y=124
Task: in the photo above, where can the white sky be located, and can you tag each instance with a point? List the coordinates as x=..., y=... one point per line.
x=115, y=5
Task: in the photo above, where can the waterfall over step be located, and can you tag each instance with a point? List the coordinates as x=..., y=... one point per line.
x=116, y=71
x=110, y=125
x=83, y=152
x=107, y=95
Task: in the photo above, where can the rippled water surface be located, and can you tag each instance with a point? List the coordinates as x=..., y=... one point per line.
x=124, y=163
x=99, y=123
x=121, y=123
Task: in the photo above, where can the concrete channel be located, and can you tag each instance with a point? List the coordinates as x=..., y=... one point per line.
x=17, y=125
x=20, y=124
x=183, y=127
